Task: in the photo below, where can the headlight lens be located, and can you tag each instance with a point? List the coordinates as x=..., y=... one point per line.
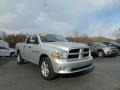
x=107, y=49
x=59, y=55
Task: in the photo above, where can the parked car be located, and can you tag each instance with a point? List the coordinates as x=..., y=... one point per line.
x=5, y=51
x=94, y=51
x=3, y=43
x=54, y=54
x=114, y=44
x=104, y=50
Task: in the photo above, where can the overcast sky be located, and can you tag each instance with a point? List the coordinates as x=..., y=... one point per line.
x=66, y=17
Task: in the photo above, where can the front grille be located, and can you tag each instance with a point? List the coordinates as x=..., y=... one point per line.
x=74, y=51
x=85, y=50
x=114, y=49
x=86, y=55
x=78, y=53
x=73, y=56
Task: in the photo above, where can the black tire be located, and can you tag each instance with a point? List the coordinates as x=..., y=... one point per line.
x=101, y=53
x=12, y=54
x=51, y=75
x=20, y=60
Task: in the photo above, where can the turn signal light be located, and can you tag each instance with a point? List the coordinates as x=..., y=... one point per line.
x=56, y=55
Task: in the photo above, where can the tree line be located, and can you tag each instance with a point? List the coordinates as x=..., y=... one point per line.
x=12, y=39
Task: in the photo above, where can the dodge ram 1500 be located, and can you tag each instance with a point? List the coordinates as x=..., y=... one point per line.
x=54, y=54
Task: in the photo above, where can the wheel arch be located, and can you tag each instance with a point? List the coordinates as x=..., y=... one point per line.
x=12, y=53
x=100, y=50
x=42, y=56
x=18, y=51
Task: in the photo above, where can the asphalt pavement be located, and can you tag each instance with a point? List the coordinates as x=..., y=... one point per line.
x=106, y=76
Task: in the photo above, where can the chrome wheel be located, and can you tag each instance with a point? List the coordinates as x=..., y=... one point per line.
x=44, y=69
x=100, y=54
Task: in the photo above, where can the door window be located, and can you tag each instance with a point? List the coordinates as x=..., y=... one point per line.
x=35, y=38
x=28, y=40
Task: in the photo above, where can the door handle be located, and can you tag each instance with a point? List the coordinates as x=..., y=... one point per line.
x=24, y=46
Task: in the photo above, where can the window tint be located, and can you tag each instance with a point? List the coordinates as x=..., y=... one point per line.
x=35, y=38
x=90, y=44
x=28, y=39
x=52, y=38
x=106, y=43
x=115, y=43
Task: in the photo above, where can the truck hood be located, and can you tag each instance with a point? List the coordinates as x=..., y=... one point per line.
x=65, y=45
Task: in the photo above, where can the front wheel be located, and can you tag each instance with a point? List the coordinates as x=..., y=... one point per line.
x=46, y=69
x=20, y=60
x=101, y=53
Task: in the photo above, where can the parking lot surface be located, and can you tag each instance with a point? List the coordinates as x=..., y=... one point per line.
x=106, y=76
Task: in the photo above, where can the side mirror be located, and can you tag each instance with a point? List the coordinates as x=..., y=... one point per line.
x=94, y=45
x=110, y=44
x=32, y=41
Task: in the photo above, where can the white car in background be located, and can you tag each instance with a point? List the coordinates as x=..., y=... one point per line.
x=6, y=51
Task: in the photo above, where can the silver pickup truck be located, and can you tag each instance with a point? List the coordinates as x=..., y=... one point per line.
x=54, y=54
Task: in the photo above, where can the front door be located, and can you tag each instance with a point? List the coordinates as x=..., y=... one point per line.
x=27, y=52
x=35, y=49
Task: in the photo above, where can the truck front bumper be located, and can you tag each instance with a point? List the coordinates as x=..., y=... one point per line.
x=112, y=53
x=62, y=66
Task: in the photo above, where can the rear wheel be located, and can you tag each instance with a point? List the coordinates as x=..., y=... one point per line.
x=12, y=54
x=20, y=60
x=46, y=69
x=101, y=53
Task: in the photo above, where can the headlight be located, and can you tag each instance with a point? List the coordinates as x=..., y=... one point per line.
x=107, y=49
x=59, y=55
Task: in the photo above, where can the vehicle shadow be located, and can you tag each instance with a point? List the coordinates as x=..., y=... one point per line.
x=74, y=75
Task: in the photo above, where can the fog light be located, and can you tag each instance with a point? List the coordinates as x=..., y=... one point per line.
x=62, y=68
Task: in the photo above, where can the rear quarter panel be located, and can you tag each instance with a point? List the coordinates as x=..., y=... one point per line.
x=19, y=46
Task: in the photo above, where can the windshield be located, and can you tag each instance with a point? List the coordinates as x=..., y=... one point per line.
x=52, y=38
x=115, y=43
x=101, y=44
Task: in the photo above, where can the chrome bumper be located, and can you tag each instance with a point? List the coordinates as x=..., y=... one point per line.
x=66, y=67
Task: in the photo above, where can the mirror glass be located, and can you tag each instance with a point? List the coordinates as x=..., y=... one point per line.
x=32, y=41
x=110, y=44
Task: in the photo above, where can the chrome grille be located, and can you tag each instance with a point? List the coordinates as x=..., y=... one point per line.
x=114, y=49
x=78, y=53
x=74, y=51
